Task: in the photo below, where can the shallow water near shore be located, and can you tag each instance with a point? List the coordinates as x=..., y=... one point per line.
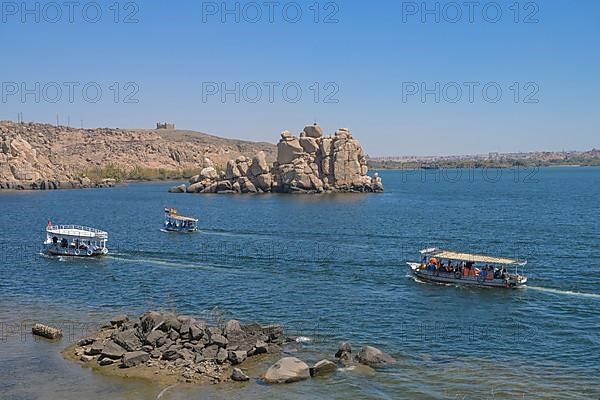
x=328, y=267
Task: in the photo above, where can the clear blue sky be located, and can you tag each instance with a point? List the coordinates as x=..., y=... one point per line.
x=373, y=54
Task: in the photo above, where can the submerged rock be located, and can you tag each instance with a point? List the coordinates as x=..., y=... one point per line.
x=323, y=367
x=373, y=357
x=344, y=352
x=239, y=376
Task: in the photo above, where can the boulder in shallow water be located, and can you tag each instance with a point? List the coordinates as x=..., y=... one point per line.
x=178, y=189
x=373, y=357
x=239, y=376
x=195, y=188
x=323, y=367
x=287, y=370
x=46, y=331
x=344, y=351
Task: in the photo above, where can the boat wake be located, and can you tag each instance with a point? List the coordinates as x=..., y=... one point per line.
x=166, y=263
x=565, y=292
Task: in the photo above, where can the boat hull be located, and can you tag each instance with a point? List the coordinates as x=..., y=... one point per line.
x=458, y=279
x=180, y=230
x=71, y=252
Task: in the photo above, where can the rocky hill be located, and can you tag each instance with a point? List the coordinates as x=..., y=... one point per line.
x=41, y=156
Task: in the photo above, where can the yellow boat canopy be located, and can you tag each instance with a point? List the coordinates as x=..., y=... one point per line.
x=467, y=257
x=172, y=213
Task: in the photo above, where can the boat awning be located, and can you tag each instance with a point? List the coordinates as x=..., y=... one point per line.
x=468, y=257
x=77, y=231
x=182, y=218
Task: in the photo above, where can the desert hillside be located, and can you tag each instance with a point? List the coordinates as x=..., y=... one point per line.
x=33, y=155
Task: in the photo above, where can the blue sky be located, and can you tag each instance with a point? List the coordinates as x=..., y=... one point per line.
x=358, y=65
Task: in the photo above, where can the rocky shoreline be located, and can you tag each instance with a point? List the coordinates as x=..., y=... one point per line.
x=169, y=349
x=309, y=163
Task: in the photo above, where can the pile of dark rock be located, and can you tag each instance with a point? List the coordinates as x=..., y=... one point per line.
x=308, y=163
x=179, y=346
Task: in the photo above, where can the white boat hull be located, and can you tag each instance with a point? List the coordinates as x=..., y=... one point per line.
x=54, y=250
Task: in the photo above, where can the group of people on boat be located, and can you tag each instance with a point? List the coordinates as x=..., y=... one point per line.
x=465, y=269
x=76, y=244
x=176, y=224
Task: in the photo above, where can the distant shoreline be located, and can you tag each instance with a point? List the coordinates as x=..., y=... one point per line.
x=390, y=166
x=494, y=167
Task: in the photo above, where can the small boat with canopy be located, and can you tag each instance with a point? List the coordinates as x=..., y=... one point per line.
x=75, y=241
x=451, y=267
x=178, y=223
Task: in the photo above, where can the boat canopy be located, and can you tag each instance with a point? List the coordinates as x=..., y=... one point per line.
x=76, y=231
x=476, y=258
x=172, y=213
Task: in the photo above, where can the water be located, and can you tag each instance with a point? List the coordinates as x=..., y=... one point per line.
x=330, y=268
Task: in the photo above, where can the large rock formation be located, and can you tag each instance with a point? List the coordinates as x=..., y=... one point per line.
x=309, y=163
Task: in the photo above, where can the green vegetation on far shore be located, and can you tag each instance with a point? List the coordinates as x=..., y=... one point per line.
x=138, y=173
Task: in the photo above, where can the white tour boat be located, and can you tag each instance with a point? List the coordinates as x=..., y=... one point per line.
x=75, y=241
x=178, y=223
x=451, y=267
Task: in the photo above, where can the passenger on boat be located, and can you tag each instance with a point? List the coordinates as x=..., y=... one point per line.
x=449, y=268
x=498, y=274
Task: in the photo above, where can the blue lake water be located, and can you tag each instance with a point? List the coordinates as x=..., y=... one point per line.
x=331, y=268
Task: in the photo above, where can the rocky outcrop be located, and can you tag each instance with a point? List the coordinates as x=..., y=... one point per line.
x=309, y=163
x=42, y=156
x=170, y=348
x=180, y=346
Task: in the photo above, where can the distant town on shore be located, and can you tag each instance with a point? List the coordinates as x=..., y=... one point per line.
x=491, y=160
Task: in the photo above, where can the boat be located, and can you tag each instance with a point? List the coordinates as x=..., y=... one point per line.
x=451, y=267
x=178, y=223
x=75, y=241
